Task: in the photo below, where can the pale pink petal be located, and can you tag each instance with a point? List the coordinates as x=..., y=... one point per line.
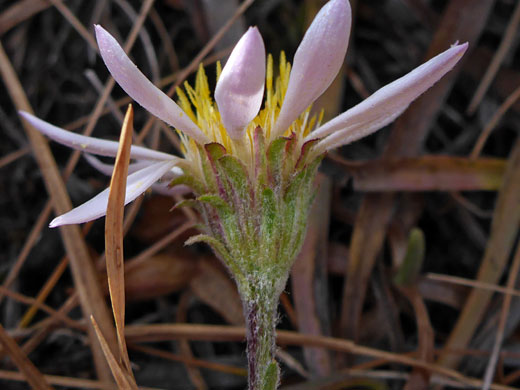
x=137, y=183
x=240, y=88
x=386, y=104
x=165, y=189
x=316, y=62
x=141, y=89
x=92, y=145
x=160, y=188
x=107, y=169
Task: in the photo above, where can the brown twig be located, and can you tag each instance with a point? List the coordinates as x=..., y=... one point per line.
x=507, y=41
x=49, y=310
x=164, y=332
x=81, y=265
x=11, y=157
x=504, y=107
x=511, y=281
x=32, y=375
x=74, y=21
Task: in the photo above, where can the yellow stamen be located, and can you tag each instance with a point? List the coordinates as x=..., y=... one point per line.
x=200, y=107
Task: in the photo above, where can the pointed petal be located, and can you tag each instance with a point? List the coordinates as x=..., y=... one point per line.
x=165, y=189
x=316, y=62
x=240, y=88
x=161, y=188
x=386, y=104
x=141, y=89
x=107, y=169
x=137, y=183
x=92, y=145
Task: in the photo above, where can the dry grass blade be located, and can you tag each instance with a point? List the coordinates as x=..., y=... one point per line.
x=505, y=45
x=114, y=235
x=472, y=283
x=32, y=375
x=59, y=381
x=29, y=243
x=462, y=20
x=340, y=380
x=194, y=374
x=308, y=279
x=8, y=159
x=239, y=371
x=164, y=332
x=156, y=247
x=508, y=103
x=420, y=378
x=367, y=238
x=66, y=382
x=511, y=281
x=165, y=40
x=90, y=298
x=504, y=229
x=123, y=380
x=85, y=276
x=429, y=173
x=213, y=287
x=74, y=21
x=209, y=46
x=20, y=11
x=172, y=78
x=50, y=284
x=38, y=305
x=44, y=292
x=98, y=86
x=44, y=328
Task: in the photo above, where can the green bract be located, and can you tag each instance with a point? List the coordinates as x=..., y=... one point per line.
x=255, y=220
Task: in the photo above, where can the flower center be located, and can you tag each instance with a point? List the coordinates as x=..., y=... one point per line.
x=198, y=104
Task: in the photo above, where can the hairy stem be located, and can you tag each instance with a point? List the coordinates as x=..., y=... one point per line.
x=260, y=314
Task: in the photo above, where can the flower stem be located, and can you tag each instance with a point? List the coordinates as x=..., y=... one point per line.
x=261, y=317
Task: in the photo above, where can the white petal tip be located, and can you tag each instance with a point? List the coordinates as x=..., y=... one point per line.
x=99, y=31
x=26, y=115
x=240, y=88
x=56, y=222
x=386, y=104
x=142, y=90
x=460, y=48
x=316, y=62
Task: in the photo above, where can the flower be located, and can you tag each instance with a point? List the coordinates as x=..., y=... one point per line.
x=232, y=121
x=250, y=168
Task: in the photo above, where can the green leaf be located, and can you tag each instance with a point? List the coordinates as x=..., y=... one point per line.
x=290, y=157
x=186, y=203
x=236, y=173
x=306, y=148
x=241, y=195
x=190, y=181
x=260, y=158
x=215, y=150
x=275, y=155
x=269, y=212
x=227, y=219
x=413, y=259
x=269, y=226
x=217, y=202
x=296, y=204
x=270, y=381
x=207, y=171
x=220, y=251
